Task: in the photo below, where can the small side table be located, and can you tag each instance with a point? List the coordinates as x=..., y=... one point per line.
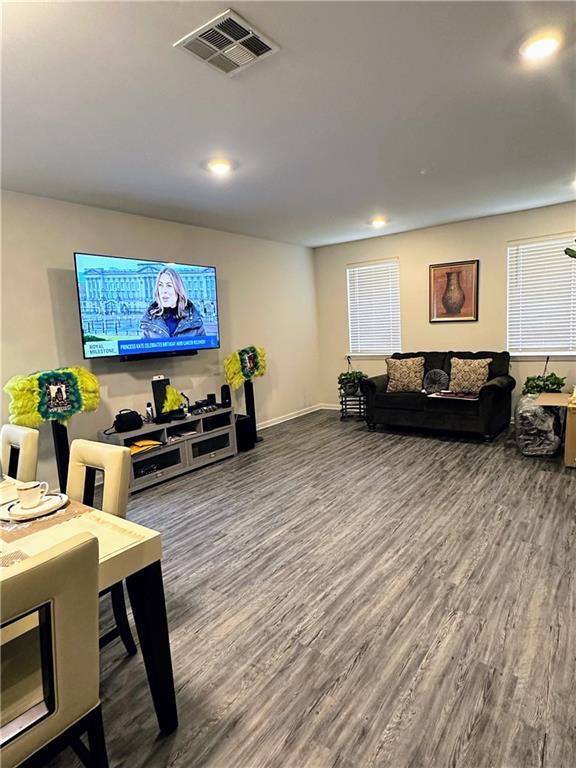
x=561, y=400
x=352, y=406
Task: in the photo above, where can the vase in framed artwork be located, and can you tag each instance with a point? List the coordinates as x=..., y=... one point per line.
x=454, y=292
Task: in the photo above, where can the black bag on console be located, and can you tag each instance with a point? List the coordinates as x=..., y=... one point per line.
x=127, y=420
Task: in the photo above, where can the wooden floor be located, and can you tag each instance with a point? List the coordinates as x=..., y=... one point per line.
x=339, y=598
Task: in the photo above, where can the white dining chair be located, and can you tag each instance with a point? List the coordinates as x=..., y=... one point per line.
x=86, y=457
x=49, y=656
x=19, y=452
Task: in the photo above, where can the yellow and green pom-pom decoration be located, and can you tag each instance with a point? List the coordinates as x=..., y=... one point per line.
x=172, y=401
x=244, y=365
x=55, y=395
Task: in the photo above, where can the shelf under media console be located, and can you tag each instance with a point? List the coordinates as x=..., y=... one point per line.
x=183, y=445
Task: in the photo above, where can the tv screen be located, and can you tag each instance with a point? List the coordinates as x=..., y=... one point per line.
x=133, y=308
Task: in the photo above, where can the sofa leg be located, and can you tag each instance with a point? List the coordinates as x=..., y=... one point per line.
x=371, y=426
x=488, y=438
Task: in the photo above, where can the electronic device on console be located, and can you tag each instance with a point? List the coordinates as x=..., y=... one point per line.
x=225, y=396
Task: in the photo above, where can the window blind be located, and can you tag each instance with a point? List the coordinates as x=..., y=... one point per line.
x=374, y=308
x=541, y=297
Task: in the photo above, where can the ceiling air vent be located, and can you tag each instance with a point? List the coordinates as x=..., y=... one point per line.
x=227, y=43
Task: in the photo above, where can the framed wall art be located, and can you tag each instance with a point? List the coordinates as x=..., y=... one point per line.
x=454, y=292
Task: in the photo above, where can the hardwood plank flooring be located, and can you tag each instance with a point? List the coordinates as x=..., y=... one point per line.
x=345, y=599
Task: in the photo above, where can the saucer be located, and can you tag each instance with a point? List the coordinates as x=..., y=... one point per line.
x=14, y=512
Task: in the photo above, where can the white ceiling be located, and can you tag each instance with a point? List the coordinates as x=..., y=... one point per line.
x=98, y=108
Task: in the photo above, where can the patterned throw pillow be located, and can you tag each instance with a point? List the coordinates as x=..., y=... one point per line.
x=405, y=375
x=468, y=375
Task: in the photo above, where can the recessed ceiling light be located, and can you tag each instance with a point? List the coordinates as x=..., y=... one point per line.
x=220, y=167
x=378, y=222
x=542, y=45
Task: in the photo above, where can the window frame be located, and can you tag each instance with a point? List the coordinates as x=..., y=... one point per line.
x=534, y=354
x=365, y=265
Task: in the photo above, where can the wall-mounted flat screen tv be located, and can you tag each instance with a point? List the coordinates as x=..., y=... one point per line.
x=131, y=308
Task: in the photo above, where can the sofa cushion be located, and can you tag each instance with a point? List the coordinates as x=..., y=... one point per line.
x=404, y=401
x=405, y=375
x=469, y=375
x=499, y=366
x=453, y=407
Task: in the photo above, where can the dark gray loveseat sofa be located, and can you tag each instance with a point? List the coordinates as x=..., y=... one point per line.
x=487, y=416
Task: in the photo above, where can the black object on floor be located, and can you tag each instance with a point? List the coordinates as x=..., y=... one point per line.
x=251, y=406
x=487, y=416
x=245, y=432
x=146, y=593
x=122, y=625
x=95, y=755
x=352, y=406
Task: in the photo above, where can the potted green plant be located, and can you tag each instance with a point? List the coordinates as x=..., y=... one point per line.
x=547, y=382
x=349, y=381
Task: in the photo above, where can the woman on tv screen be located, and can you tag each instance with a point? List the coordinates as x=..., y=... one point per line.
x=171, y=313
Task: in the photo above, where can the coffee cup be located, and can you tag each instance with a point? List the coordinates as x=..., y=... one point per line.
x=31, y=494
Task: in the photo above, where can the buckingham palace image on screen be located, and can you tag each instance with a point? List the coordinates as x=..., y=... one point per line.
x=113, y=300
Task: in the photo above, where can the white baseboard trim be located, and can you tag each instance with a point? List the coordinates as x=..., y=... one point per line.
x=296, y=414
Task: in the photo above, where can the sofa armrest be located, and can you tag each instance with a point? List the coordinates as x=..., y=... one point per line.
x=370, y=387
x=495, y=386
x=495, y=404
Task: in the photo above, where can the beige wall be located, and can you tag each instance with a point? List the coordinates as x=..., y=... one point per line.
x=266, y=293
x=484, y=239
x=277, y=295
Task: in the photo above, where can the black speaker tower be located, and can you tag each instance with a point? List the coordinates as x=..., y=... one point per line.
x=251, y=405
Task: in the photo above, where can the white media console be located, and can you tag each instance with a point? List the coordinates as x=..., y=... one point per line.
x=187, y=444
